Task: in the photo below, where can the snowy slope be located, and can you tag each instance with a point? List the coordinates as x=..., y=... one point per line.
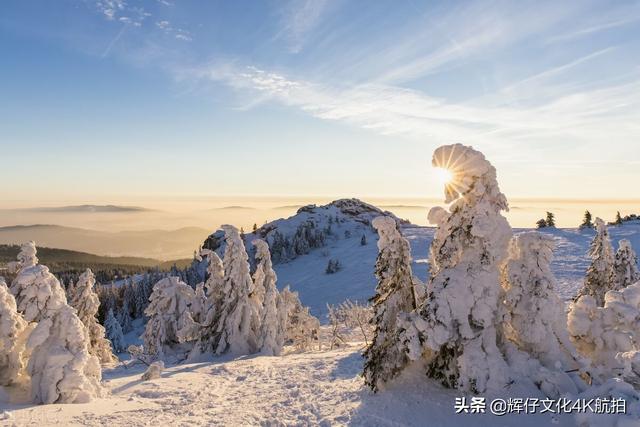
x=356, y=280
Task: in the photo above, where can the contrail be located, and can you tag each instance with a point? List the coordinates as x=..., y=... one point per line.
x=113, y=42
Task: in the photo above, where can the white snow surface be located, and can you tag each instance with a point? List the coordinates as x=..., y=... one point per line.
x=315, y=388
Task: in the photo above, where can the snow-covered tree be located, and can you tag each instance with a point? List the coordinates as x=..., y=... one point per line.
x=602, y=334
x=600, y=276
x=170, y=323
x=113, y=332
x=67, y=289
x=360, y=317
x=37, y=292
x=198, y=303
x=13, y=336
x=625, y=265
x=333, y=266
x=85, y=300
x=457, y=324
x=73, y=375
x=282, y=318
x=302, y=327
x=395, y=295
x=61, y=368
x=214, y=291
x=26, y=257
x=125, y=320
x=533, y=319
x=272, y=328
x=236, y=331
x=129, y=300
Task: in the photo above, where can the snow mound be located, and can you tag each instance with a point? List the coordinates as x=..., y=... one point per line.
x=153, y=371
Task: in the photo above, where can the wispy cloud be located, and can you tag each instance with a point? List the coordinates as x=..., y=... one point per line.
x=466, y=32
x=299, y=18
x=596, y=28
x=587, y=117
x=177, y=33
x=120, y=10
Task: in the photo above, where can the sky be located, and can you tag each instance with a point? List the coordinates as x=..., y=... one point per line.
x=107, y=100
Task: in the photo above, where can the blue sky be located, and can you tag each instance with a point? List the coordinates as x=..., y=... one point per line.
x=112, y=98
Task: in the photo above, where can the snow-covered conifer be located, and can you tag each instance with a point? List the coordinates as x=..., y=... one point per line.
x=302, y=327
x=534, y=320
x=602, y=334
x=170, y=323
x=13, y=336
x=282, y=318
x=386, y=356
x=140, y=296
x=214, y=290
x=74, y=374
x=26, y=257
x=124, y=318
x=272, y=332
x=37, y=292
x=85, y=300
x=129, y=298
x=236, y=331
x=68, y=289
x=61, y=368
x=198, y=303
x=600, y=276
x=625, y=265
x=457, y=323
x=113, y=332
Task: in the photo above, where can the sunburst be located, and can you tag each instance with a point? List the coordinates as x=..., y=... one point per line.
x=449, y=169
x=442, y=175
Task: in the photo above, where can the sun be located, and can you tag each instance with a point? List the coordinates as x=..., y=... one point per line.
x=442, y=175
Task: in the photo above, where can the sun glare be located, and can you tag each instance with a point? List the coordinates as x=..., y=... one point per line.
x=442, y=175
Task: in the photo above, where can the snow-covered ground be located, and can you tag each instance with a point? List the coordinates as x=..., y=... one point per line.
x=315, y=388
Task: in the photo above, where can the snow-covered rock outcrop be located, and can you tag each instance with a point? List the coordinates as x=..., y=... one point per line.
x=310, y=228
